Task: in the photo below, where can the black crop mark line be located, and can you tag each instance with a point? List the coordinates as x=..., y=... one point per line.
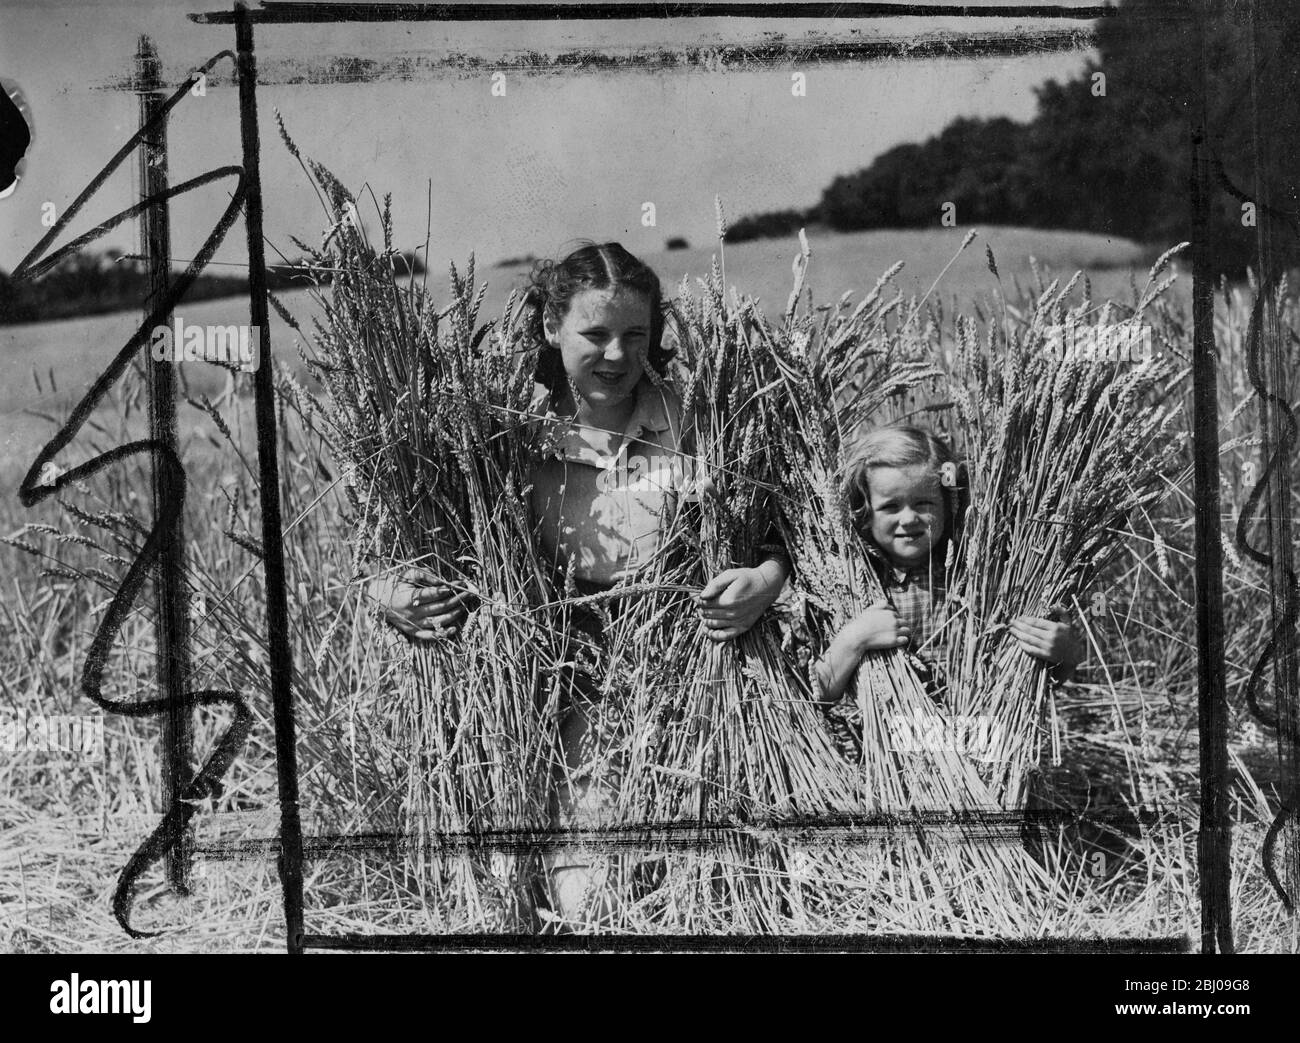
x=1214, y=842
x=36, y=487
x=418, y=67
x=976, y=826
x=936, y=943
x=289, y=862
x=288, y=13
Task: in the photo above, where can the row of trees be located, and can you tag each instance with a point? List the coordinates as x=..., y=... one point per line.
x=1109, y=151
x=94, y=284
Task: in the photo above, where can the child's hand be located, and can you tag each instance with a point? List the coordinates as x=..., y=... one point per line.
x=421, y=606
x=733, y=600
x=875, y=629
x=878, y=628
x=1050, y=640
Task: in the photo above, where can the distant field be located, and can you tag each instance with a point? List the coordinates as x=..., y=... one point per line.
x=77, y=349
x=853, y=262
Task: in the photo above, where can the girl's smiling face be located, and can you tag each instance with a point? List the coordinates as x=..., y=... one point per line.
x=908, y=512
x=602, y=340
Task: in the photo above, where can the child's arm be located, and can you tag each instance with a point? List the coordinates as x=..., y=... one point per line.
x=1051, y=640
x=876, y=628
x=732, y=601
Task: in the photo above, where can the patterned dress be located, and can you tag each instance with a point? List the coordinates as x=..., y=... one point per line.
x=917, y=595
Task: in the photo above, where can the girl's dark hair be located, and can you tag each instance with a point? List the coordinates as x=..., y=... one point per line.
x=553, y=285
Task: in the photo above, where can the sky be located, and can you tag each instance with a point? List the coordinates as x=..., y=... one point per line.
x=561, y=156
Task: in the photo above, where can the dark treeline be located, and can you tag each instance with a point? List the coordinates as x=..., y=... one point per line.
x=1109, y=151
x=95, y=284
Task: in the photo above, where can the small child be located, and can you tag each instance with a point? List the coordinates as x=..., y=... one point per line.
x=906, y=515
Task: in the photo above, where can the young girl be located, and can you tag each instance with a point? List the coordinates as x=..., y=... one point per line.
x=600, y=401
x=906, y=514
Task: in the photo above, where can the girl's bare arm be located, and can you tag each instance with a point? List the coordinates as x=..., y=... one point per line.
x=875, y=629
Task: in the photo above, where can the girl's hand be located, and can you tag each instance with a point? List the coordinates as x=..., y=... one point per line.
x=878, y=628
x=1050, y=640
x=875, y=629
x=421, y=606
x=733, y=600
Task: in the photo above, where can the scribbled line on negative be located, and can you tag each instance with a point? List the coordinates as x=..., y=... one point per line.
x=38, y=485
x=918, y=943
x=974, y=826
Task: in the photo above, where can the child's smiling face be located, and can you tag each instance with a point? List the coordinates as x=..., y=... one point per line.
x=908, y=513
x=602, y=340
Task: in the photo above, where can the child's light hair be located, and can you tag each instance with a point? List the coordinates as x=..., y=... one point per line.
x=896, y=445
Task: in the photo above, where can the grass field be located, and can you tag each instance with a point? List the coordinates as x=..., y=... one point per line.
x=1125, y=733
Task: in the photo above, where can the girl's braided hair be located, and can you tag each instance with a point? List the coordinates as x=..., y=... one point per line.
x=593, y=266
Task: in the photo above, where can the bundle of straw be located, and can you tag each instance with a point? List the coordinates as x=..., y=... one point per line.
x=1061, y=453
x=429, y=417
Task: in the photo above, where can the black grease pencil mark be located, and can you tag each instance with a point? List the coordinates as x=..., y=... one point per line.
x=38, y=486
x=1280, y=456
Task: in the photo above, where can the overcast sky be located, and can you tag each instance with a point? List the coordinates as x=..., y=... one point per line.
x=566, y=155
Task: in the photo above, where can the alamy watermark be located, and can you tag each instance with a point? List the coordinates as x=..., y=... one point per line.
x=132, y=996
x=78, y=734
x=234, y=345
x=663, y=472
x=977, y=736
x=1104, y=342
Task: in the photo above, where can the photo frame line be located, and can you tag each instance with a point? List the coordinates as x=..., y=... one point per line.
x=292, y=12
